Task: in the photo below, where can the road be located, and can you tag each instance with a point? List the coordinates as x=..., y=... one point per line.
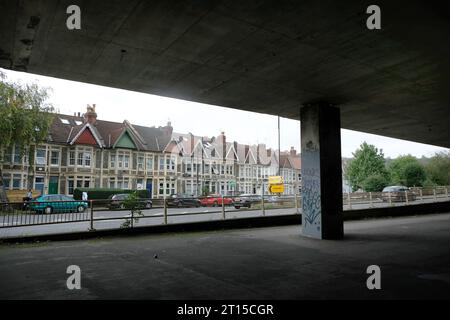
x=105, y=219
x=116, y=219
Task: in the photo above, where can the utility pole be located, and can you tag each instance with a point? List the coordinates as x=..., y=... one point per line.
x=203, y=171
x=279, y=150
x=196, y=170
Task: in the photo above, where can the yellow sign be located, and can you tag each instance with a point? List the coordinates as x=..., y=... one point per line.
x=279, y=188
x=275, y=180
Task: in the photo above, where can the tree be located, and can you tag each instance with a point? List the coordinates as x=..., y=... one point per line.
x=367, y=161
x=133, y=204
x=375, y=183
x=415, y=175
x=438, y=169
x=408, y=171
x=25, y=120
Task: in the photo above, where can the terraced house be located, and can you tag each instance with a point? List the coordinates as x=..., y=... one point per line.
x=82, y=151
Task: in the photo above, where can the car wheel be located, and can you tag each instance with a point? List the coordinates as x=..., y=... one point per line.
x=236, y=207
x=48, y=210
x=80, y=209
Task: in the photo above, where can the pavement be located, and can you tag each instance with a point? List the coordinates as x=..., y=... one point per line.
x=264, y=263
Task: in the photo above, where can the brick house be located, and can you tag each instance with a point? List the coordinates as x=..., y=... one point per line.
x=83, y=151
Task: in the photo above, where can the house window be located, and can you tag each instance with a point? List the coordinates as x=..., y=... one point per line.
x=54, y=158
x=140, y=162
x=40, y=157
x=170, y=163
x=123, y=160
x=161, y=163
x=70, y=185
x=80, y=159
x=87, y=159
x=149, y=164
x=112, y=161
x=112, y=183
x=16, y=181
x=71, y=158
x=123, y=183
x=17, y=155
x=170, y=187
x=8, y=155
x=84, y=157
x=161, y=188
x=6, y=181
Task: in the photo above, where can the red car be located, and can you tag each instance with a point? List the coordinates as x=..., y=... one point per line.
x=215, y=200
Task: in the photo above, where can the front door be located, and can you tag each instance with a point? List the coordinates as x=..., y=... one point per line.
x=39, y=184
x=149, y=187
x=53, y=185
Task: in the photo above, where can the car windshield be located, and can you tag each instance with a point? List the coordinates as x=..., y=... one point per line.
x=51, y=198
x=395, y=189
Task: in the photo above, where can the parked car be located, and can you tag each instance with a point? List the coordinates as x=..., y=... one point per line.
x=57, y=203
x=182, y=200
x=246, y=200
x=397, y=194
x=215, y=200
x=118, y=201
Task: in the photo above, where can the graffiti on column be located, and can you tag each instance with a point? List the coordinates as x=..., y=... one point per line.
x=311, y=197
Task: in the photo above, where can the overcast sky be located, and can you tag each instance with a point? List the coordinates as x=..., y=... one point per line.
x=200, y=119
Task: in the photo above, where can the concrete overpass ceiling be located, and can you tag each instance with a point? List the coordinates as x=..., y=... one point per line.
x=263, y=56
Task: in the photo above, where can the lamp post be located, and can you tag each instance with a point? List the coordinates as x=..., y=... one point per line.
x=203, y=170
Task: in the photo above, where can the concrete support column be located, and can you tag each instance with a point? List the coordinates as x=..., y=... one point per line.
x=321, y=172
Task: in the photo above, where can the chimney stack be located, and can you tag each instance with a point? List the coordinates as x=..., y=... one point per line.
x=222, y=142
x=293, y=152
x=168, y=129
x=90, y=116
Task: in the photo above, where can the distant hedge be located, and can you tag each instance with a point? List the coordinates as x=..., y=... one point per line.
x=104, y=193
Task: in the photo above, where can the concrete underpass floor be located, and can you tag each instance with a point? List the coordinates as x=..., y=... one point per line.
x=266, y=263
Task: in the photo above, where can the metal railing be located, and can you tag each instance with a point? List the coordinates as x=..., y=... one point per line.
x=109, y=214
x=42, y=212
x=361, y=200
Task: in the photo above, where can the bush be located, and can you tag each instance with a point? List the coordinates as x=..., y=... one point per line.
x=407, y=171
x=104, y=193
x=375, y=183
x=414, y=175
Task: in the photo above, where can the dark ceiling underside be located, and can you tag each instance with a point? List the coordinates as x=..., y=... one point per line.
x=264, y=56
